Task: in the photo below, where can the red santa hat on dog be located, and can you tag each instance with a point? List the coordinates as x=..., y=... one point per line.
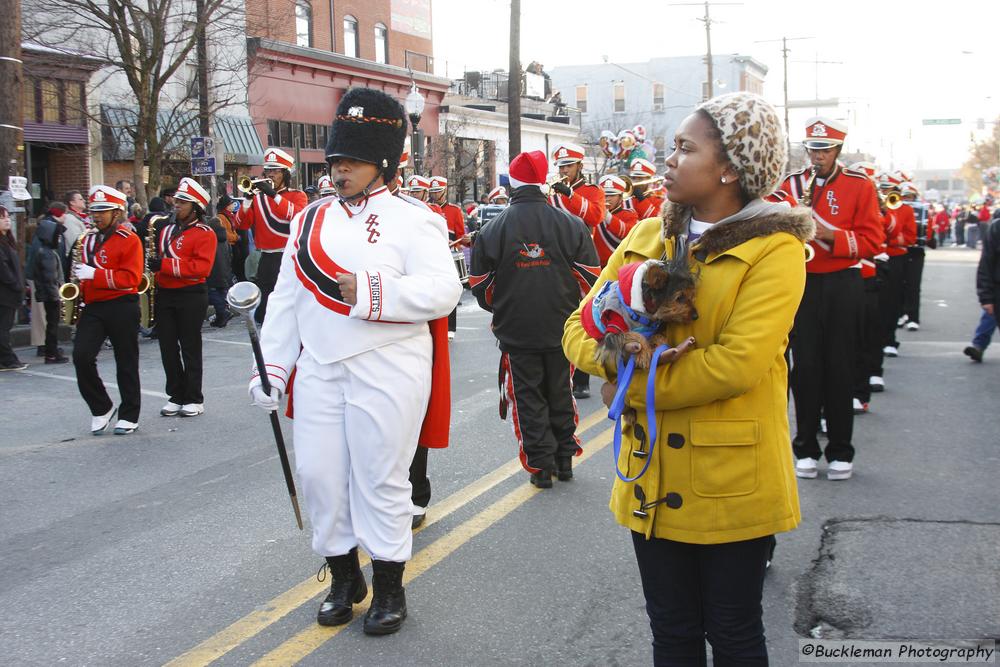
x=612, y=321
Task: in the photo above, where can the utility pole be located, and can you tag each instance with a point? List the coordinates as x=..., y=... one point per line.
x=784, y=57
x=514, y=83
x=11, y=78
x=707, y=20
x=204, y=117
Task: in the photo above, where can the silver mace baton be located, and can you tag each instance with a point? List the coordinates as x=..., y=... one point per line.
x=243, y=298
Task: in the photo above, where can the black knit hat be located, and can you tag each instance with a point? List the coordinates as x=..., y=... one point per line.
x=370, y=126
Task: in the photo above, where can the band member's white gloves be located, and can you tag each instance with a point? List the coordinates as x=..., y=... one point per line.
x=83, y=271
x=262, y=400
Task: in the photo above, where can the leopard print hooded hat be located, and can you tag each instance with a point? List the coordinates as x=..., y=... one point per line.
x=754, y=140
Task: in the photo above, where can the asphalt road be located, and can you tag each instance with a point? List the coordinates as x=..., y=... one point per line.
x=177, y=544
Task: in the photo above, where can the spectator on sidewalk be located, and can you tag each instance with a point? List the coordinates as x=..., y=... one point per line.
x=11, y=292
x=988, y=291
x=221, y=277
x=45, y=270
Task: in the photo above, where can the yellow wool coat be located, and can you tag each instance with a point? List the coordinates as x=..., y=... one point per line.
x=723, y=459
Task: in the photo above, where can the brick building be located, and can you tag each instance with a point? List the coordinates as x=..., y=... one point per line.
x=303, y=57
x=56, y=135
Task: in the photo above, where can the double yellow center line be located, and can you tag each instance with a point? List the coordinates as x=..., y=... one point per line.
x=310, y=639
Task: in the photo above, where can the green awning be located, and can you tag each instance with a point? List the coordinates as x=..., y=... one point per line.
x=242, y=144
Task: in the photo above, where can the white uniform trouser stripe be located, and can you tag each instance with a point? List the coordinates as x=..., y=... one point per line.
x=355, y=432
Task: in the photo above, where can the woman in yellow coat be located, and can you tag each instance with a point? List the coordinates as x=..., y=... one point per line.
x=721, y=480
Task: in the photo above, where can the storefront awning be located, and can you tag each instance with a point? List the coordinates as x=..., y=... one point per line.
x=175, y=127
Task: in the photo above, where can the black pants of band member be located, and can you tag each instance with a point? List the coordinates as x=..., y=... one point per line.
x=52, y=309
x=267, y=276
x=824, y=342
x=7, y=316
x=891, y=298
x=179, y=316
x=869, y=356
x=421, y=484
x=543, y=406
x=696, y=592
x=118, y=321
x=913, y=274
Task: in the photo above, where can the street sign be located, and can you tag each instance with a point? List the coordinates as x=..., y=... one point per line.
x=942, y=121
x=203, y=166
x=202, y=147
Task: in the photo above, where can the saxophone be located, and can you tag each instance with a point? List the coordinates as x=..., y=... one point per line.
x=69, y=291
x=806, y=201
x=147, y=284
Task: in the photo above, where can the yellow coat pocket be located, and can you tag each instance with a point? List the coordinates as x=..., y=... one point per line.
x=724, y=457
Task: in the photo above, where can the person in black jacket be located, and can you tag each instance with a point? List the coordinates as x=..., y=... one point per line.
x=221, y=277
x=988, y=274
x=11, y=292
x=531, y=265
x=45, y=269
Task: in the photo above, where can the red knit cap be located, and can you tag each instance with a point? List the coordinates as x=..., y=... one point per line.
x=529, y=168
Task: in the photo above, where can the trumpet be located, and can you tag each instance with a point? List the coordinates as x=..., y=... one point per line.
x=69, y=292
x=890, y=200
x=249, y=186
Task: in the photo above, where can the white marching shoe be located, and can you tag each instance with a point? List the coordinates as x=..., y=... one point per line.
x=100, y=423
x=806, y=468
x=171, y=409
x=876, y=383
x=890, y=351
x=839, y=470
x=192, y=409
x=123, y=427
x=912, y=326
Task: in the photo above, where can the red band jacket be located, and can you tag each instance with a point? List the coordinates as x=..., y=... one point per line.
x=900, y=230
x=846, y=203
x=117, y=259
x=188, y=254
x=648, y=206
x=270, y=217
x=612, y=231
x=456, y=222
x=585, y=202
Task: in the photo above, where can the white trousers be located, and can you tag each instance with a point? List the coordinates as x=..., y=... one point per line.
x=355, y=432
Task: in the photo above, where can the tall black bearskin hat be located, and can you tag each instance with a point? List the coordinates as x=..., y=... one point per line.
x=369, y=126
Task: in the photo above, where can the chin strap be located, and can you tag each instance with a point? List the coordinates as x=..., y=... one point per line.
x=364, y=194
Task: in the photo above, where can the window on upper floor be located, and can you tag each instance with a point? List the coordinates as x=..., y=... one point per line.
x=303, y=23
x=658, y=102
x=73, y=103
x=50, y=101
x=619, y=96
x=581, y=98
x=350, y=36
x=381, y=44
x=28, y=100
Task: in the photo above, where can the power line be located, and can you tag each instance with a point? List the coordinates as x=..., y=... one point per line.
x=707, y=20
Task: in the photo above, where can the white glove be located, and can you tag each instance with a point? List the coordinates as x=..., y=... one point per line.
x=262, y=400
x=83, y=271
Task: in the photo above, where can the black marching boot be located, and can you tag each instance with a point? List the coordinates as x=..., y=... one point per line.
x=564, y=468
x=388, y=609
x=347, y=589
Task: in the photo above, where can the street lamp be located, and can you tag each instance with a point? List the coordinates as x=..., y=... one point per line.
x=414, y=109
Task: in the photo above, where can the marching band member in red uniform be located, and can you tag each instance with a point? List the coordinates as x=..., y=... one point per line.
x=644, y=179
x=362, y=276
x=901, y=233
x=185, y=253
x=457, y=238
x=618, y=221
x=924, y=238
x=824, y=338
x=582, y=200
x=268, y=213
x=109, y=271
x=325, y=185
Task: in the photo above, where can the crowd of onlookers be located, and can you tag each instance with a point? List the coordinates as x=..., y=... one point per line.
x=961, y=224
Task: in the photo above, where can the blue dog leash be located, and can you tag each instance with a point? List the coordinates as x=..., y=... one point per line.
x=625, y=372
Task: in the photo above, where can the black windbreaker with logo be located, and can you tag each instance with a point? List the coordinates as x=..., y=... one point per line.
x=531, y=265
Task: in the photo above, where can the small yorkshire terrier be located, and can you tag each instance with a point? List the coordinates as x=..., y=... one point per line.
x=628, y=315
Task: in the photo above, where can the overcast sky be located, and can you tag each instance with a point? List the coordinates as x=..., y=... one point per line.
x=900, y=65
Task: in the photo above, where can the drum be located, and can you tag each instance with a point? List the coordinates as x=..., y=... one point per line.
x=460, y=266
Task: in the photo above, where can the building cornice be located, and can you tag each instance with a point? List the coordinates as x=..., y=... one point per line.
x=327, y=60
